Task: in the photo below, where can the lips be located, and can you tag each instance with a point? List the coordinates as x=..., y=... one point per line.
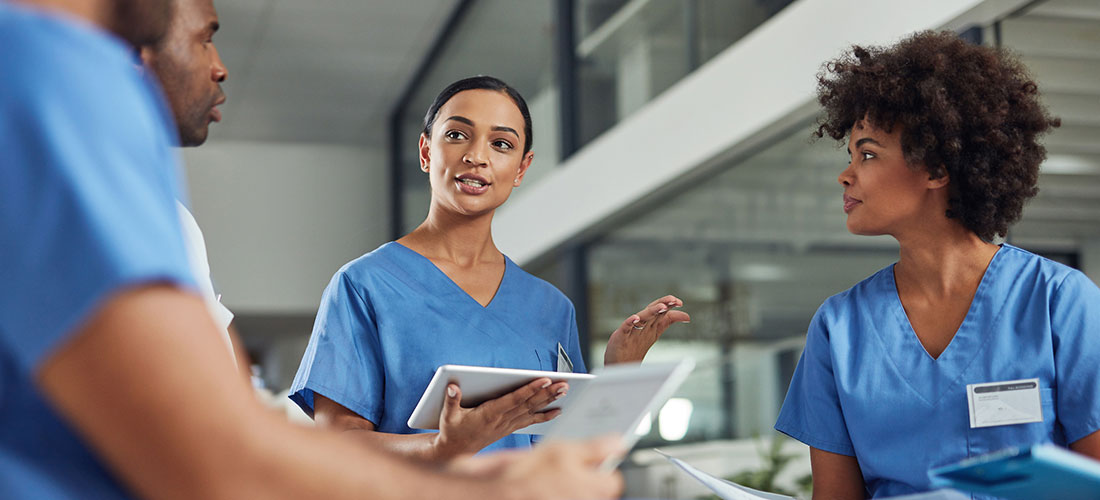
x=472, y=183
x=850, y=203
x=215, y=113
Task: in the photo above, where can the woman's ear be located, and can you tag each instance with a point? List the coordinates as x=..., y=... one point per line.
x=424, y=152
x=523, y=166
x=939, y=182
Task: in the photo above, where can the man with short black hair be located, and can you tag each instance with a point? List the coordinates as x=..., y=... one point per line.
x=190, y=70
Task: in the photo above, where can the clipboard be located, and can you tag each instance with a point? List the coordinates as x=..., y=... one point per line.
x=480, y=384
x=1040, y=472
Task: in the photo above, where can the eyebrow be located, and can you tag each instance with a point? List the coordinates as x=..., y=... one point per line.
x=214, y=26
x=498, y=128
x=460, y=119
x=866, y=140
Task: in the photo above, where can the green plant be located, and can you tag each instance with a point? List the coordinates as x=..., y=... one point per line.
x=805, y=485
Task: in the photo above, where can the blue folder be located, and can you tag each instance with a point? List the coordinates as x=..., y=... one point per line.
x=1041, y=472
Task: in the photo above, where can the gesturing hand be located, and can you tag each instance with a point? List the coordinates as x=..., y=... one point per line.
x=632, y=340
x=468, y=430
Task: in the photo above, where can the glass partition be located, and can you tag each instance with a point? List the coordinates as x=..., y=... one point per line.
x=629, y=52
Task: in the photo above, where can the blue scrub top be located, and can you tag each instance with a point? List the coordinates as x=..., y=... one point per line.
x=866, y=387
x=389, y=318
x=88, y=183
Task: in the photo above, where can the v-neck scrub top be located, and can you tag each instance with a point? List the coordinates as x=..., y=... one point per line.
x=389, y=318
x=866, y=387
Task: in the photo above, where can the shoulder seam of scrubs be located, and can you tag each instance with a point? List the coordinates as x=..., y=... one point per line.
x=351, y=284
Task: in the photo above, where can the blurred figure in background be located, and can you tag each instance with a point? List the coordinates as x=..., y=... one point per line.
x=115, y=379
x=190, y=71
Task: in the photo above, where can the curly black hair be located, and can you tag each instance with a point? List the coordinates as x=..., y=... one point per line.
x=966, y=111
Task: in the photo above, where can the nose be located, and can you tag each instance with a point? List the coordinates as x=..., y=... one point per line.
x=218, y=72
x=845, y=178
x=476, y=155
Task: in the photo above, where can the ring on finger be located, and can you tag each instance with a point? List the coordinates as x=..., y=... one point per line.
x=638, y=325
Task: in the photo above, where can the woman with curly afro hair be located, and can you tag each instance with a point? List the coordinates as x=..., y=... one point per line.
x=944, y=152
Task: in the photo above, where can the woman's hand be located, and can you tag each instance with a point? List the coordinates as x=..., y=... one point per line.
x=467, y=430
x=632, y=340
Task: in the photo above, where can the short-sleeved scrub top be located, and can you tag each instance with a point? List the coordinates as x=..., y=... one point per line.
x=866, y=387
x=88, y=183
x=389, y=318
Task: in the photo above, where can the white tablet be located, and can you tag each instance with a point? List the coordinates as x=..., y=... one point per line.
x=480, y=384
x=617, y=400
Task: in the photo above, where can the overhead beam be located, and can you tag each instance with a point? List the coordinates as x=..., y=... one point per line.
x=724, y=108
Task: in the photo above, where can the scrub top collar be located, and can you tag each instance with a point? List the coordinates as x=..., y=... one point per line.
x=430, y=272
x=934, y=378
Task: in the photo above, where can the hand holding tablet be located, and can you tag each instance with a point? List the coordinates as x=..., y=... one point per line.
x=613, y=401
x=479, y=384
x=467, y=430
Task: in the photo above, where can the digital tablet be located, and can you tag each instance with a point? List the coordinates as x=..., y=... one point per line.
x=1040, y=472
x=618, y=399
x=480, y=384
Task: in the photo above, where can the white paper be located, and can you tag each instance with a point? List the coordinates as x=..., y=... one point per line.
x=724, y=489
x=1004, y=403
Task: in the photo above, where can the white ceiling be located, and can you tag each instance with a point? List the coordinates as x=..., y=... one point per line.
x=323, y=71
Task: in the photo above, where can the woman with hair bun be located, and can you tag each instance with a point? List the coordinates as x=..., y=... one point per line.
x=444, y=294
x=944, y=152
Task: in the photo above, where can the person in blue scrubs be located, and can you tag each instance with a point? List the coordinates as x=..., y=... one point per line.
x=943, y=138
x=106, y=348
x=82, y=214
x=444, y=294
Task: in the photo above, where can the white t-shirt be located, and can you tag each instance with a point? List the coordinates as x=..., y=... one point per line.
x=200, y=267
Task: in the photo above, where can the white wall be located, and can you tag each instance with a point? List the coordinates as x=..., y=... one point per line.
x=280, y=219
x=729, y=104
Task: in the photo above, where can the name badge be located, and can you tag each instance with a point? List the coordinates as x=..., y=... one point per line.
x=565, y=365
x=1004, y=403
